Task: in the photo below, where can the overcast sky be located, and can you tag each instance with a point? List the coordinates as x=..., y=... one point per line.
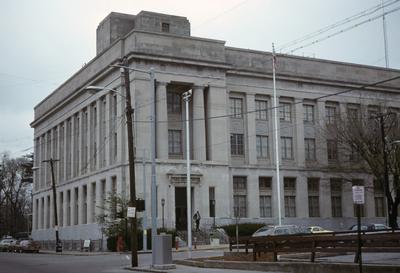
x=43, y=42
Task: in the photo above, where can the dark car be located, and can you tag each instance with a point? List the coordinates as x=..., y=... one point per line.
x=28, y=246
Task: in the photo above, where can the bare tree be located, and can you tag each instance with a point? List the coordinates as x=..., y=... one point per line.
x=366, y=142
x=15, y=193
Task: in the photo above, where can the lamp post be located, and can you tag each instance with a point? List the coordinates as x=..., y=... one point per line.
x=186, y=97
x=131, y=155
x=162, y=205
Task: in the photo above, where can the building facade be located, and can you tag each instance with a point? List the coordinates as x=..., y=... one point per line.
x=231, y=128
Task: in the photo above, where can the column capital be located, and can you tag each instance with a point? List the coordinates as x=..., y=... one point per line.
x=158, y=83
x=198, y=86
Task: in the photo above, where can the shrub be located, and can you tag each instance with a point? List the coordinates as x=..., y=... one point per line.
x=245, y=229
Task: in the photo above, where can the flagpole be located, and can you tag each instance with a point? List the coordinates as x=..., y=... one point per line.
x=278, y=188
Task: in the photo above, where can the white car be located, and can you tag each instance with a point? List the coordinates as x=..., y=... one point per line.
x=276, y=230
x=5, y=243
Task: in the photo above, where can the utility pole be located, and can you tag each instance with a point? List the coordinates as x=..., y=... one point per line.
x=53, y=183
x=131, y=155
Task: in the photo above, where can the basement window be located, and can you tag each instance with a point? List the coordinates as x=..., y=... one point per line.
x=165, y=27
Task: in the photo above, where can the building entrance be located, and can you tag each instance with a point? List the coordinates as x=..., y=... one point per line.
x=181, y=208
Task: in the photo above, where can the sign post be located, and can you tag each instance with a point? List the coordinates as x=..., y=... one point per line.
x=359, y=200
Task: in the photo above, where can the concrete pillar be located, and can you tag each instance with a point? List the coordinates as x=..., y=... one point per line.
x=78, y=157
x=65, y=209
x=109, y=130
x=320, y=141
x=89, y=203
x=253, y=196
x=51, y=208
x=60, y=212
x=369, y=206
x=73, y=207
x=199, y=129
x=301, y=197
x=251, y=153
x=46, y=211
x=299, y=132
x=40, y=213
x=325, y=200
x=99, y=198
x=162, y=120
x=96, y=148
x=347, y=200
x=65, y=151
x=34, y=214
x=217, y=130
x=81, y=202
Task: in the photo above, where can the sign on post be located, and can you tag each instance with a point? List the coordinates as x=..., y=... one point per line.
x=131, y=212
x=358, y=195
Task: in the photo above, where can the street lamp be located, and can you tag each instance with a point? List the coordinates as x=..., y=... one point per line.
x=186, y=97
x=131, y=155
x=163, y=204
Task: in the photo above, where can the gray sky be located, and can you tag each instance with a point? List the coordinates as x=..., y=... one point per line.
x=43, y=42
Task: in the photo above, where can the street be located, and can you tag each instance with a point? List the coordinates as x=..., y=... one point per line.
x=96, y=263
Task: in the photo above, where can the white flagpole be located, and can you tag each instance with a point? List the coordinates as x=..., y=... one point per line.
x=276, y=129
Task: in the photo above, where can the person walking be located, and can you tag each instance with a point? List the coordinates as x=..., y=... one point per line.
x=196, y=218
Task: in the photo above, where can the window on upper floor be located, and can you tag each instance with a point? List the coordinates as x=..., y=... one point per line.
x=236, y=107
x=285, y=111
x=174, y=142
x=353, y=113
x=309, y=149
x=330, y=114
x=174, y=103
x=332, y=150
x=262, y=147
x=261, y=110
x=308, y=113
x=237, y=144
x=286, y=147
x=165, y=27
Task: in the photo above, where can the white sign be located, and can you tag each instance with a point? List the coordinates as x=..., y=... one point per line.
x=358, y=195
x=86, y=243
x=131, y=212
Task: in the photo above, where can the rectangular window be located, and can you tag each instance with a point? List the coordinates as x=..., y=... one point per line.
x=265, y=206
x=237, y=145
x=265, y=189
x=236, y=107
x=289, y=184
x=285, y=111
x=262, y=146
x=165, y=27
x=308, y=113
x=174, y=103
x=313, y=197
x=174, y=142
x=286, y=148
x=309, y=145
x=261, y=110
x=336, y=197
x=353, y=114
x=240, y=196
x=330, y=114
x=332, y=150
x=211, y=196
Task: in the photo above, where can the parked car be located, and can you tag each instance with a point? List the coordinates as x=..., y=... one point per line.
x=14, y=246
x=318, y=229
x=277, y=230
x=5, y=243
x=354, y=227
x=377, y=227
x=28, y=246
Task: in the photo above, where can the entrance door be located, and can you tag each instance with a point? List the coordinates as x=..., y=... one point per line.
x=181, y=208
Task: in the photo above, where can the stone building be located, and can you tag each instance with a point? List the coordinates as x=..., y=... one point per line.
x=232, y=137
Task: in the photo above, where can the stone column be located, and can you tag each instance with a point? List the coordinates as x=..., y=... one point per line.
x=320, y=141
x=347, y=200
x=81, y=201
x=65, y=151
x=89, y=202
x=51, y=214
x=40, y=213
x=199, y=128
x=251, y=129
x=162, y=121
x=99, y=198
x=217, y=128
x=96, y=148
x=325, y=200
x=34, y=214
x=109, y=130
x=73, y=207
x=253, y=196
x=299, y=135
x=78, y=157
x=46, y=211
x=301, y=197
x=65, y=209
